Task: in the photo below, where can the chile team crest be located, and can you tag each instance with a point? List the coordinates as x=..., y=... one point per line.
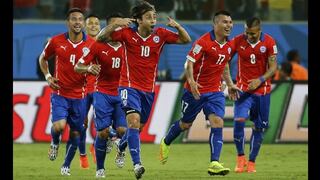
x=262, y=49
x=85, y=51
x=156, y=39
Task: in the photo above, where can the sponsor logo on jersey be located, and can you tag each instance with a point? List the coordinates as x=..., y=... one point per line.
x=85, y=51
x=214, y=48
x=136, y=40
x=197, y=48
x=106, y=53
x=63, y=47
x=156, y=39
x=242, y=47
x=263, y=49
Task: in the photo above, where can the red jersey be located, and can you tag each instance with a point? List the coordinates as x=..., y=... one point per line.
x=67, y=54
x=110, y=58
x=91, y=80
x=253, y=61
x=209, y=59
x=142, y=56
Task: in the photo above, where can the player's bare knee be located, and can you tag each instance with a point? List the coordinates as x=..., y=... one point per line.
x=216, y=121
x=121, y=131
x=240, y=119
x=74, y=133
x=133, y=120
x=103, y=134
x=185, y=126
x=58, y=126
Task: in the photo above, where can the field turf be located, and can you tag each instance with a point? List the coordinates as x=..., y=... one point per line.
x=186, y=161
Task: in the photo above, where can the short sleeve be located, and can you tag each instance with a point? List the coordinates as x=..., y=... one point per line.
x=118, y=34
x=49, y=49
x=197, y=50
x=170, y=36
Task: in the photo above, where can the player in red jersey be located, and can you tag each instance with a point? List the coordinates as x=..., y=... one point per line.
x=207, y=63
x=92, y=28
x=106, y=101
x=68, y=97
x=143, y=44
x=257, y=63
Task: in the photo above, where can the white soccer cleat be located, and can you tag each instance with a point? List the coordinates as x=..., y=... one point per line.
x=53, y=152
x=109, y=145
x=100, y=173
x=120, y=156
x=138, y=170
x=65, y=171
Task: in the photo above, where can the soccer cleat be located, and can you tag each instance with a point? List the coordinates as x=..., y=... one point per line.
x=93, y=153
x=84, y=163
x=65, y=171
x=53, y=152
x=164, y=151
x=100, y=173
x=241, y=164
x=120, y=156
x=138, y=170
x=251, y=167
x=109, y=145
x=216, y=168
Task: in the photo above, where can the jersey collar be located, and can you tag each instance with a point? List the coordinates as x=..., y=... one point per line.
x=84, y=36
x=213, y=37
x=262, y=36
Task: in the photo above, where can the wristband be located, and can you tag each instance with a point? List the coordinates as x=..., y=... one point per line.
x=47, y=76
x=261, y=78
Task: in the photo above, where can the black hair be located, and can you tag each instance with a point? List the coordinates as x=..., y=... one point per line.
x=141, y=8
x=286, y=67
x=253, y=22
x=292, y=54
x=72, y=10
x=92, y=15
x=113, y=15
x=222, y=12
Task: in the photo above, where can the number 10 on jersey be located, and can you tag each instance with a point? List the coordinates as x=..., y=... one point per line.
x=145, y=51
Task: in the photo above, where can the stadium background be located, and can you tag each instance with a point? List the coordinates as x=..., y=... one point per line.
x=39, y=19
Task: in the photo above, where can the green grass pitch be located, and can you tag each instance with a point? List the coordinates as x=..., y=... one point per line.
x=186, y=161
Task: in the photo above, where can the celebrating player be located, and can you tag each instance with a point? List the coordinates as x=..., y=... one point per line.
x=143, y=45
x=207, y=61
x=256, y=65
x=108, y=59
x=68, y=98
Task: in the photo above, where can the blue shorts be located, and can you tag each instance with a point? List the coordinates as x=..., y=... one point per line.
x=138, y=100
x=72, y=110
x=253, y=106
x=89, y=101
x=211, y=103
x=107, y=110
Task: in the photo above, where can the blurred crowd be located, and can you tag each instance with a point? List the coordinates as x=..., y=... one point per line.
x=268, y=10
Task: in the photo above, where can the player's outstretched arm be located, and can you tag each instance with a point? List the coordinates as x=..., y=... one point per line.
x=233, y=90
x=82, y=68
x=193, y=84
x=272, y=67
x=52, y=81
x=184, y=37
x=105, y=33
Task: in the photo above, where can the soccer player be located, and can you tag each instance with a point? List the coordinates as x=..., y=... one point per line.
x=257, y=63
x=143, y=45
x=92, y=28
x=207, y=62
x=68, y=102
x=106, y=101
